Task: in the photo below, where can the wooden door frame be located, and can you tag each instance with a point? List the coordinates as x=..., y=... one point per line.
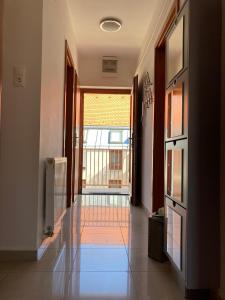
x=84, y=90
x=105, y=91
x=1, y=52
x=77, y=139
x=136, y=146
x=80, y=182
x=68, y=61
x=69, y=101
x=159, y=111
x=74, y=132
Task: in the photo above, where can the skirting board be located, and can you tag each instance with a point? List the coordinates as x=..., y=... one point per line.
x=18, y=255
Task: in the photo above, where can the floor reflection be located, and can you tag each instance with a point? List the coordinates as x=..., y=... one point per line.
x=105, y=210
x=100, y=285
x=98, y=251
x=103, y=216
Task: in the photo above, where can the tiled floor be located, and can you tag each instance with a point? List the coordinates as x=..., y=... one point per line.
x=99, y=252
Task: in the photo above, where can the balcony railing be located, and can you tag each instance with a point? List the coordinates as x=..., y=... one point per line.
x=106, y=168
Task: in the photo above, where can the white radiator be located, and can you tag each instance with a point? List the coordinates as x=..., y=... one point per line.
x=55, y=206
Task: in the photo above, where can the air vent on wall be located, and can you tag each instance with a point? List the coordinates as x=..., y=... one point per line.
x=109, y=65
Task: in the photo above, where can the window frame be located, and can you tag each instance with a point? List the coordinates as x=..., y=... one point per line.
x=118, y=165
x=110, y=137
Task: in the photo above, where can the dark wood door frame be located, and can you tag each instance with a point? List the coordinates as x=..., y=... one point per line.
x=92, y=91
x=105, y=91
x=74, y=133
x=77, y=139
x=80, y=182
x=1, y=46
x=68, y=122
x=136, y=147
x=159, y=111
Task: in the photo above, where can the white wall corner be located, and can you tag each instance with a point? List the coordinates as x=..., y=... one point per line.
x=153, y=32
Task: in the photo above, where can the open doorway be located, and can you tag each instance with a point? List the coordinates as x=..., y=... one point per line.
x=106, y=142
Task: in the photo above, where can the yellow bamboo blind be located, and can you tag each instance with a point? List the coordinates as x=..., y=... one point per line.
x=106, y=110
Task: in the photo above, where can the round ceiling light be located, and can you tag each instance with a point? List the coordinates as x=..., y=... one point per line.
x=110, y=25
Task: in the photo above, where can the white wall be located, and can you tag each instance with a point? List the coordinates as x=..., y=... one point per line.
x=19, y=147
x=222, y=290
x=32, y=117
x=57, y=28
x=91, y=72
x=146, y=64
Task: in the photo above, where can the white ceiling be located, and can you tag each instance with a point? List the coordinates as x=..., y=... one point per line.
x=136, y=15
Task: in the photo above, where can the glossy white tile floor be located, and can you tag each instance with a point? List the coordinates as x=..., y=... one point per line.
x=98, y=252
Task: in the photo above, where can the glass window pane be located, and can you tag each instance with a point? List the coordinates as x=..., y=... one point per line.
x=174, y=236
x=115, y=159
x=115, y=137
x=175, y=112
x=175, y=51
x=174, y=173
x=85, y=136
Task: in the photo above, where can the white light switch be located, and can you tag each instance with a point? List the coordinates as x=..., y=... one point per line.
x=19, y=75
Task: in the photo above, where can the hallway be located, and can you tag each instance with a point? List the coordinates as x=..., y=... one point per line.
x=169, y=57
x=99, y=252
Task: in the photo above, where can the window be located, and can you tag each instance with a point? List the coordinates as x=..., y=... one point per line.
x=115, y=137
x=175, y=51
x=175, y=173
x=115, y=183
x=174, y=236
x=115, y=159
x=174, y=112
x=85, y=136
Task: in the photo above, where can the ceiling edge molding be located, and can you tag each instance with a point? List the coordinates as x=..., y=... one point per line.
x=154, y=29
x=69, y=10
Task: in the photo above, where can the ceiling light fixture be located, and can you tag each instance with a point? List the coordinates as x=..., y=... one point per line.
x=110, y=25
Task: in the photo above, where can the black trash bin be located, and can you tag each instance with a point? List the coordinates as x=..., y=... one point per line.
x=156, y=238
